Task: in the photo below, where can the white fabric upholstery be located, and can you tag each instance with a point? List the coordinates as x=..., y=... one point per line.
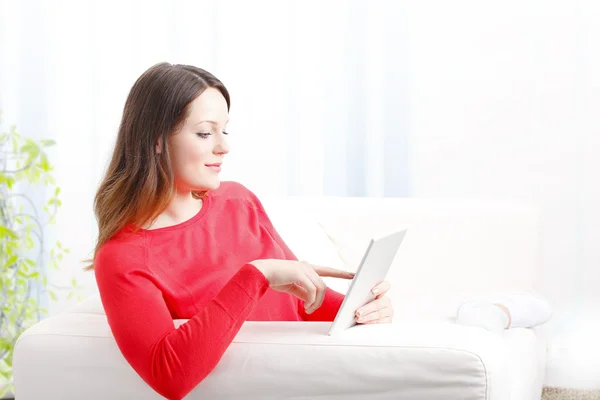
x=453, y=250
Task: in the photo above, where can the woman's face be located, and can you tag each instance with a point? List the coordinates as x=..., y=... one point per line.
x=199, y=147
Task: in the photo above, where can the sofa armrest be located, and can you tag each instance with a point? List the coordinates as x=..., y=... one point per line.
x=73, y=355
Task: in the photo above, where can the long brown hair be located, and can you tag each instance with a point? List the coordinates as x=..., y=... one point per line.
x=138, y=184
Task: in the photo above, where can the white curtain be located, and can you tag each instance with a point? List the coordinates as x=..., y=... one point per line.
x=318, y=90
x=317, y=87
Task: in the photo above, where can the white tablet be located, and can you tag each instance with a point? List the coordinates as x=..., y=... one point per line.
x=372, y=270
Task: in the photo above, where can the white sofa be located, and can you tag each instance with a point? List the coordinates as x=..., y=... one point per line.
x=454, y=250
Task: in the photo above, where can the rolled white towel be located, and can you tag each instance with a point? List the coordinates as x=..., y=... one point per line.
x=482, y=313
x=526, y=310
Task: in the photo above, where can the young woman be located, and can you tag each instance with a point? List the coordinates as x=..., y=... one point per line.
x=176, y=243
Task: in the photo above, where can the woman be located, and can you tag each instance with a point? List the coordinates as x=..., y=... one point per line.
x=176, y=243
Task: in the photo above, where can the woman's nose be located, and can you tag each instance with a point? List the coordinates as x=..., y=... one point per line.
x=222, y=144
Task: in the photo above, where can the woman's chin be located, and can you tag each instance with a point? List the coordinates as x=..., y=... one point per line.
x=212, y=184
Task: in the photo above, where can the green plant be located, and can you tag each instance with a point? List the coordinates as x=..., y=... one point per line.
x=24, y=253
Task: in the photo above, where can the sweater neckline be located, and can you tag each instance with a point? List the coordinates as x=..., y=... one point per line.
x=206, y=200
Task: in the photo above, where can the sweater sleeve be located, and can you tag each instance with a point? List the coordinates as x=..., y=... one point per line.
x=328, y=310
x=172, y=360
x=332, y=301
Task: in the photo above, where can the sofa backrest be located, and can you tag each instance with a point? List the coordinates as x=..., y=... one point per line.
x=454, y=249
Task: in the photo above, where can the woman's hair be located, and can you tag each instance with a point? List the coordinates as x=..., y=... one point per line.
x=139, y=184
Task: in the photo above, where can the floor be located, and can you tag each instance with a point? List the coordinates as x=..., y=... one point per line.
x=550, y=393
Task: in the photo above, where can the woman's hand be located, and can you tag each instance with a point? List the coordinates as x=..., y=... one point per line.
x=378, y=311
x=300, y=279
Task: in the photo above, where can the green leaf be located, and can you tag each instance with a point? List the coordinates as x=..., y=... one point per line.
x=7, y=180
x=53, y=296
x=29, y=147
x=13, y=259
x=44, y=163
x=47, y=142
x=5, y=231
x=5, y=374
x=57, y=191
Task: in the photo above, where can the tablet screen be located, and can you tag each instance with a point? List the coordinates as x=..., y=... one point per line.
x=372, y=270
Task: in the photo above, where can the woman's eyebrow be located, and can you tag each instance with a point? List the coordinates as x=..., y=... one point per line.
x=211, y=122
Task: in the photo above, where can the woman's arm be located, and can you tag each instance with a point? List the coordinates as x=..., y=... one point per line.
x=328, y=310
x=332, y=301
x=172, y=361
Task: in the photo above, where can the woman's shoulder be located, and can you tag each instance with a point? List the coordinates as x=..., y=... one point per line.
x=122, y=253
x=234, y=190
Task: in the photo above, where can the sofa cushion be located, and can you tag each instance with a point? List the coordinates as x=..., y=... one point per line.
x=453, y=250
x=306, y=238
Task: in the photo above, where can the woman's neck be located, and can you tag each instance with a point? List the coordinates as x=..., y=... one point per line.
x=183, y=206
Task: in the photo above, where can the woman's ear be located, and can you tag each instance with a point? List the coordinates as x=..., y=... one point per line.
x=158, y=147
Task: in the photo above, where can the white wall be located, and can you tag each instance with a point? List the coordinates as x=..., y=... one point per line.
x=506, y=103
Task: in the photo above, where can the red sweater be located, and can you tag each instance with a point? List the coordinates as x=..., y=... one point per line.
x=197, y=270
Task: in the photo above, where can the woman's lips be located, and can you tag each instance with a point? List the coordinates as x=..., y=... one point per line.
x=214, y=167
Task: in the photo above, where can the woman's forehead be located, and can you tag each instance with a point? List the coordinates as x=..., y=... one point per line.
x=210, y=107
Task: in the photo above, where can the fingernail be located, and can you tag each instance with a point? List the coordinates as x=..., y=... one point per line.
x=375, y=291
x=358, y=313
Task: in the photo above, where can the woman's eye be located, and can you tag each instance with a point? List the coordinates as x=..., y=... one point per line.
x=203, y=135
x=225, y=133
